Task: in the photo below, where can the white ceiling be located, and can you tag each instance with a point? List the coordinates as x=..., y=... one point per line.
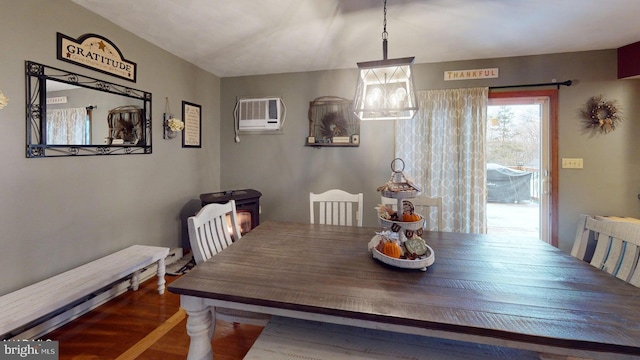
x=249, y=37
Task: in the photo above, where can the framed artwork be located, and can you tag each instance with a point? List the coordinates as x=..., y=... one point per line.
x=192, y=117
x=333, y=123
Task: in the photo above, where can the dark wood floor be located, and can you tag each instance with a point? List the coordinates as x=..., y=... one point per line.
x=131, y=327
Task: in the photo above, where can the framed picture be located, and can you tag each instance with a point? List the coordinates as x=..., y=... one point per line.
x=333, y=123
x=192, y=133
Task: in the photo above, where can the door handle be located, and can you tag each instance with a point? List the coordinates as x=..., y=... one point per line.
x=545, y=187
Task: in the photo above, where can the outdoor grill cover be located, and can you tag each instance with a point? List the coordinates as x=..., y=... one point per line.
x=505, y=185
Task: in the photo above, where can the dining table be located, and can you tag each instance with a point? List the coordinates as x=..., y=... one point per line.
x=506, y=290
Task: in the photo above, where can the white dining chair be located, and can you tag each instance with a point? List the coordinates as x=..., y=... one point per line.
x=336, y=207
x=584, y=237
x=617, y=247
x=422, y=205
x=209, y=234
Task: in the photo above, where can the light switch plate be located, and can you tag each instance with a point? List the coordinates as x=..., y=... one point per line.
x=572, y=163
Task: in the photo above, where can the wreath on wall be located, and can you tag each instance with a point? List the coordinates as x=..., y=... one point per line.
x=334, y=124
x=601, y=115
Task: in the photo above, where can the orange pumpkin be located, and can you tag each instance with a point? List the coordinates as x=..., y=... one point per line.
x=407, y=217
x=392, y=249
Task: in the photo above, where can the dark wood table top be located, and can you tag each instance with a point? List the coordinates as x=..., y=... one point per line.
x=500, y=287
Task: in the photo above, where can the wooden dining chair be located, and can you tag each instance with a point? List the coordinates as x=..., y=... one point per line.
x=422, y=205
x=617, y=247
x=209, y=234
x=336, y=207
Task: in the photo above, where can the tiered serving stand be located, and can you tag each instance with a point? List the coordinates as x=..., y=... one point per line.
x=401, y=227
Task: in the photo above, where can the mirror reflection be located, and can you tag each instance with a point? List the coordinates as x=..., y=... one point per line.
x=81, y=116
x=71, y=114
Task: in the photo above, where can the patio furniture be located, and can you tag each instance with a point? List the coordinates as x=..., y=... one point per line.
x=506, y=185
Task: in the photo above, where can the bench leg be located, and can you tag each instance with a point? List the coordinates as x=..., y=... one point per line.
x=161, y=272
x=135, y=280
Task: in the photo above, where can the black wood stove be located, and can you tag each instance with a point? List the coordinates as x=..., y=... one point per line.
x=247, y=205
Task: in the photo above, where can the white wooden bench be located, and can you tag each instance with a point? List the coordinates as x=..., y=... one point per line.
x=295, y=339
x=25, y=306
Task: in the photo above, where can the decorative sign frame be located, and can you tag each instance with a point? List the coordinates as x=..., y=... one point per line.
x=332, y=122
x=97, y=53
x=192, y=132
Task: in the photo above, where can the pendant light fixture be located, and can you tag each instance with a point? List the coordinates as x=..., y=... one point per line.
x=385, y=89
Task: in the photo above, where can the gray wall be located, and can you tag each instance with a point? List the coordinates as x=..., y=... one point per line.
x=286, y=171
x=58, y=213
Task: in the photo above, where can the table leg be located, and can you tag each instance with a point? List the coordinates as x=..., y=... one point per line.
x=212, y=330
x=161, y=271
x=199, y=326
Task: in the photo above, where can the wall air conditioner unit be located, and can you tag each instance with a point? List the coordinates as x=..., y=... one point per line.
x=260, y=114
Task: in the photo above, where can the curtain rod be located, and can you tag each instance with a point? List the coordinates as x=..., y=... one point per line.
x=565, y=83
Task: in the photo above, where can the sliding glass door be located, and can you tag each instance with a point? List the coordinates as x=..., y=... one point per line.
x=522, y=163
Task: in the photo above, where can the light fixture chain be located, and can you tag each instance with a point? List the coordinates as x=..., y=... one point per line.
x=385, y=35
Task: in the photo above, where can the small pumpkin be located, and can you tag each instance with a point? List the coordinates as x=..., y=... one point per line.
x=409, y=217
x=392, y=249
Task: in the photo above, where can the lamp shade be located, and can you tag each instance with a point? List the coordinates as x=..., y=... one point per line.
x=385, y=90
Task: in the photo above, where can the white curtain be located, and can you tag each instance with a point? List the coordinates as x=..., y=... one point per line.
x=443, y=148
x=67, y=126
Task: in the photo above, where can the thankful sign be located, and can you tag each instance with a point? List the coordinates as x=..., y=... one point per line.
x=471, y=74
x=97, y=53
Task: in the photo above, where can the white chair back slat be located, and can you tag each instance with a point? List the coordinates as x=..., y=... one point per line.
x=613, y=254
x=579, y=249
x=602, y=249
x=635, y=278
x=628, y=263
x=336, y=207
x=618, y=247
x=203, y=240
x=336, y=210
x=322, y=213
x=348, y=210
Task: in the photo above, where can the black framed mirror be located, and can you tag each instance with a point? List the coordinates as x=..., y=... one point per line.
x=69, y=114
